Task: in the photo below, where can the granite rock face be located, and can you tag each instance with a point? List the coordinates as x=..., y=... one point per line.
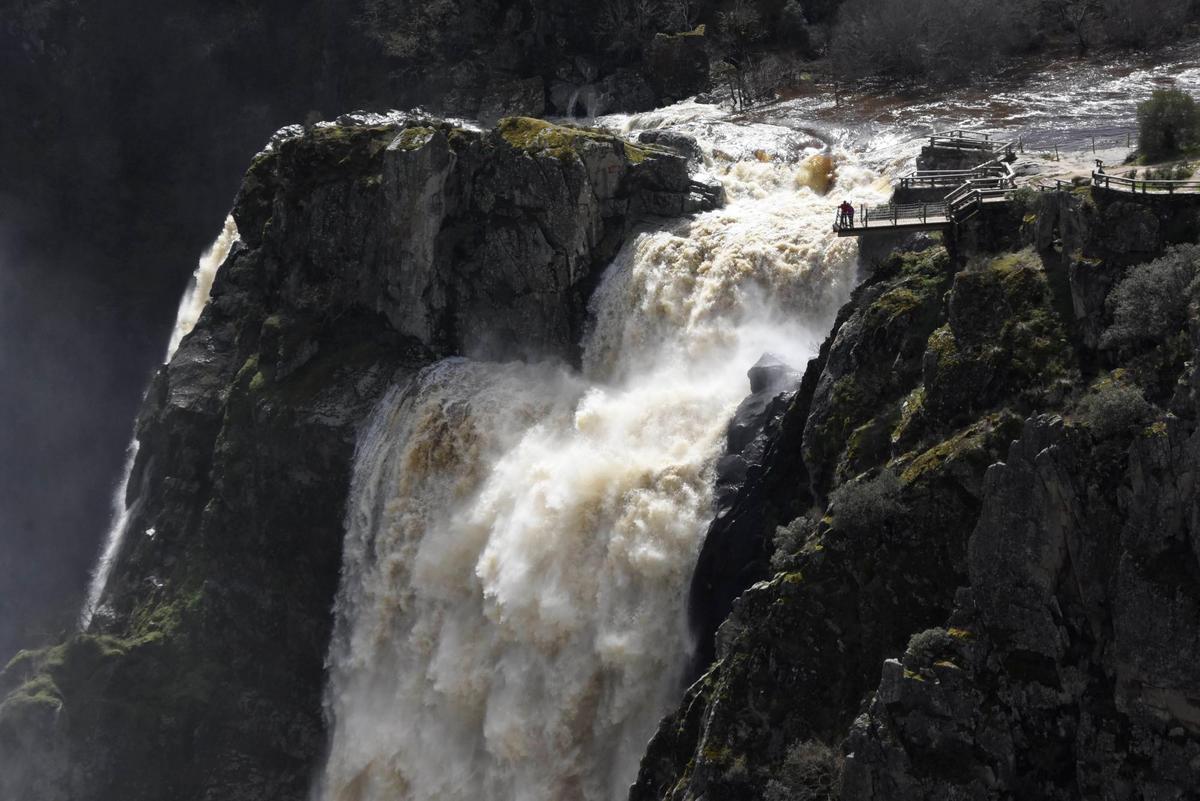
x=1070, y=666
x=370, y=248
x=988, y=586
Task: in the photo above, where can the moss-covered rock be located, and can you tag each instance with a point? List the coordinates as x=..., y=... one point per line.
x=1004, y=342
x=874, y=362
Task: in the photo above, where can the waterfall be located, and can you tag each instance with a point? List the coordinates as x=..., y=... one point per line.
x=190, y=307
x=519, y=537
x=196, y=296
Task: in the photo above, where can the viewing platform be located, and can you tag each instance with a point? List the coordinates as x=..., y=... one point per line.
x=1135, y=186
x=972, y=140
x=971, y=190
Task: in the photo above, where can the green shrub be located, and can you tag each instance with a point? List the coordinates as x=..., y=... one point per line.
x=865, y=504
x=788, y=541
x=1176, y=172
x=810, y=772
x=929, y=646
x=1114, y=408
x=1027, y=200
x=1151, y=303
x=1167, y=123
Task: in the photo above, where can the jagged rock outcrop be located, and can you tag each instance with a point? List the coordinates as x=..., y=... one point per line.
x=1055, y=557
x=369, y=248
x=754, y=486
x=1070, y=667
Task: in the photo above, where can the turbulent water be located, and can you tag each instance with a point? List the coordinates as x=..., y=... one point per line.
x=510, y=623
x=190, y=307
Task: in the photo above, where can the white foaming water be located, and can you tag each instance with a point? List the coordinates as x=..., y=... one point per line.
x=196, y=297
x=190, y=307
x=511, y=619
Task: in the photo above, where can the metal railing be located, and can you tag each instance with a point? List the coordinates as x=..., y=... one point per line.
x=965, y=205
x=970, y=140
x=1059, y=185
x=1145, y=187
x=893, y=215
x=941, y=179
x=990, y=182
x=997, y=185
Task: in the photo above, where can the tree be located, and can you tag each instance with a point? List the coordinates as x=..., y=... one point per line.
x=1168, y=123
x=740, y=27
x=793, y=26
x=683, y=14
x=1141, y=23
x=1079, y=16
x=628, y=24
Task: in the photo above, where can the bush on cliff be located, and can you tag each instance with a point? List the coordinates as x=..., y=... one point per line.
x=866, y=504
x=810, y=772
x=1151, y=303
x=929, y=646
x=1113, y=408
x=788, y=542
x=1168, y=123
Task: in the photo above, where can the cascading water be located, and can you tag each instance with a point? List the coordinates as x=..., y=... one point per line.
x=519, y=540
x=196, y=297
x=190, y=307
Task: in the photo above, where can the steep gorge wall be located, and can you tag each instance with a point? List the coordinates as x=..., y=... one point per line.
x=987, y=589
x=369, y=248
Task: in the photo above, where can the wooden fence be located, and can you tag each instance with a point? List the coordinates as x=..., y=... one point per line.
x=1145, y=187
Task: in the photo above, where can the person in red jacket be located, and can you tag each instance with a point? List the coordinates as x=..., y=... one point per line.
x=847, y=214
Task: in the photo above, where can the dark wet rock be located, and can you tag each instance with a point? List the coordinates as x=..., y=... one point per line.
x=1091, y=281
x=1070, y=672
x=706, y=193
x=681, y=143
x=369, y=248
x=753, y=477
x=514, y=98
x=678, y=65
x=622, y=90
x=772, y=384
x=771, y=373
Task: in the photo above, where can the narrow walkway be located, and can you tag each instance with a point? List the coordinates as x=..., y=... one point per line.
x=988, y=184
x=1135, y=186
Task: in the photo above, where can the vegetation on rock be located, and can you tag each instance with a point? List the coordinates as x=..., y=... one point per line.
x=1168, y=123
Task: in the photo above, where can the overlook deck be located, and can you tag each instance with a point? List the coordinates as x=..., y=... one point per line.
x=1144, y=187
x=990, y=183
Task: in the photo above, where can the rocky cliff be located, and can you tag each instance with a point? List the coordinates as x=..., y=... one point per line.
x=956, y=559
x=369, y=247
x=988, y=585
